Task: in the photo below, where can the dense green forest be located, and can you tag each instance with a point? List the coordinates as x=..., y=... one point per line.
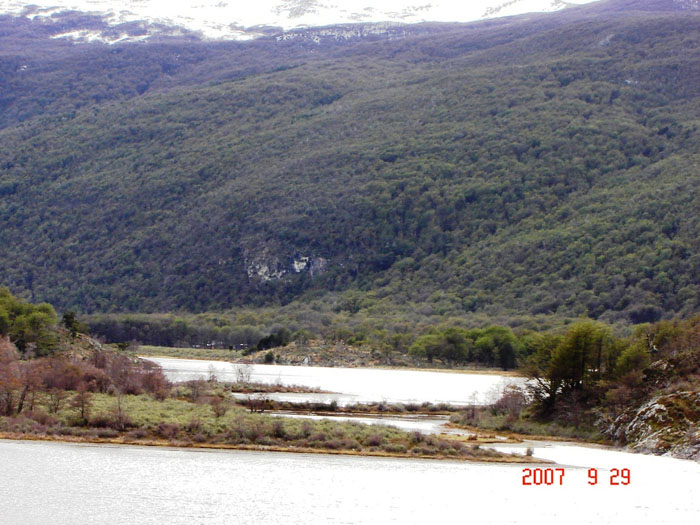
x=532, y=166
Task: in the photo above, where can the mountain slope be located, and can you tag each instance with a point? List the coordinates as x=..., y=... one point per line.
x=541, y=166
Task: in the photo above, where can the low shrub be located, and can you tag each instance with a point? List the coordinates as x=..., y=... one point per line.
x=278, y=430
x=318, y=436
x=394, y=448
x=42, y=417
x=168, y=430
x=107, y=433
x=62, y=431
x=337, y=444
x=373, y=440
x=194, y=425
x=101, y=421
x=138, y=433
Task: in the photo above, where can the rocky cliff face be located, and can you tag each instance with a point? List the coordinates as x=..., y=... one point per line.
x=265, y=265
x=665, y=425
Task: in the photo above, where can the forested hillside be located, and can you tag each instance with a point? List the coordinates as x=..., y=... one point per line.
x=535, y=165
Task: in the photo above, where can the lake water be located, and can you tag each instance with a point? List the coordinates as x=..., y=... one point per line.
x=42, y=483
x=61, y=483
x=353, y=385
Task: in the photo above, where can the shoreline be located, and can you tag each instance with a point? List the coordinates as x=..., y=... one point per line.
x=509, y=434
x=14, y=436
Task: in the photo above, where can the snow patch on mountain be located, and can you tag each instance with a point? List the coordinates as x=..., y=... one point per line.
x=238, y=20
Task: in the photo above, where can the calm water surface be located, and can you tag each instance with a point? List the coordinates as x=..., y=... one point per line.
x=58, y=483
x=353, y=385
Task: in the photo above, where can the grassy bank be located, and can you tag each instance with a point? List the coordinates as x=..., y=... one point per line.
x=495, y=458
x=212, y=421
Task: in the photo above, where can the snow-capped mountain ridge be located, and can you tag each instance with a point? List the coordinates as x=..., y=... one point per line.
x=235, y=20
